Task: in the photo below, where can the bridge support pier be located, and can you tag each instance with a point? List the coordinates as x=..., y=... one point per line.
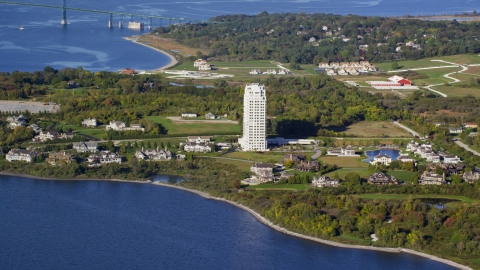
x=150, y=23
x=120, y=23
x=64, y=13
x=110, y=20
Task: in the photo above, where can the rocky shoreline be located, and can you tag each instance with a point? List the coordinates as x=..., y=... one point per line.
x=327, y=242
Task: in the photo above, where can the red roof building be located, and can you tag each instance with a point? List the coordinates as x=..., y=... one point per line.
x=128, y=71
x=404, y=82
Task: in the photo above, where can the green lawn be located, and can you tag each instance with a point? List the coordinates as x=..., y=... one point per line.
x=406, y=196
x=453, y=91
x=96, y=133
x=258, y=157
x=403, y=176
x=435, y=76
x=364, y=173
x=194, y=128
x=273, y=186
x=345, y=162
x=242, y=165
x=458, y=59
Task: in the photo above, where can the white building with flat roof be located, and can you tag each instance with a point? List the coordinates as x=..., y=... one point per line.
x=254, y=118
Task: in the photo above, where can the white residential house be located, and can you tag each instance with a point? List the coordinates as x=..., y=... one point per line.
x=324, y=28
x=210, y=116
x=205, y=67
x=89, y=122
x=470, y=177
x=381, y=159
x=325, y=181
x=197, y=147
x=35, y=128
x=46, y=136
x=363, y=47
x=331, y=72
x=84, y=147
x=199, y=62
x=255, y=72
x=116, y=125
x=398, y=49
x=263, y=172
x=270, y=71
x=283, y=71
x=432, y=179
x=16, y=121
x=433, y=157
x=153, y=155
x=191, y=115
x=21, y=155
x=199, y=139
x=455, y=130
x=405, y=158
x=103, y=157
x=451, y=159
x=312, y=39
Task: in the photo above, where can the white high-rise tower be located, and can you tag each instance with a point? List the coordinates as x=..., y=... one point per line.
x=254, y=118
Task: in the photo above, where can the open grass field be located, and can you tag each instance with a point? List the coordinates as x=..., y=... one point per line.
x=406, y=196
x=435, y=76
x=168, y=44
x=372, y=129
x=364, y=173
x=422, y=63
x=453, y=91
x=273, y=186
x=96, y=133
x=242, y=165
x=403, y=176
x=275, y=157
x=345, y=162
x=177, y=127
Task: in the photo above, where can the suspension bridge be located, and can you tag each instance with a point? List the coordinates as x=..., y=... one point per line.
x=110, y=14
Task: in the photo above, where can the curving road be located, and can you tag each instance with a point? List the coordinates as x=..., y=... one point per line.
x=414, y=133
x=455, y=80
x=464, y=146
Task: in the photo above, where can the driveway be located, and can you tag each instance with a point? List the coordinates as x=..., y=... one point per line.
x=407, y=129
x=464, y=146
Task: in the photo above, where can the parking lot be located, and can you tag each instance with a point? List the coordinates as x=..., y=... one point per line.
x=31, y=106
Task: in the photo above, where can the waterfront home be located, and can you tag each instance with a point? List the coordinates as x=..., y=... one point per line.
x=450, y=159
x=210, y=116
x=263, y=172
x=470, y=177
x=89, y=122
x=198, y=139
x=325, y=181
x=381, y=159
x=84, y=147
x=21, y=155
x=16, y=121
x=428, y=178
x=103, y=157
x=405, y=158
x=60, y=157
x=308, y=166
x=382, y=179
x=153, y=155
x=129, y=71
x=197, y=147
x=294, y=157
x=192, y=115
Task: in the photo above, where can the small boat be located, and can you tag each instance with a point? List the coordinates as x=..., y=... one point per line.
x=21, y=28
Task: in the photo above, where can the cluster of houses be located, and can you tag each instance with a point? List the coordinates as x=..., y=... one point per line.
x=425, y=151
x=121, y=126
x=24, y=155
x=347, y=68
x=281, y=71
x=411, y=44
x=103, y=157
x=154, y=155
x=201, y=144
x=202, y=64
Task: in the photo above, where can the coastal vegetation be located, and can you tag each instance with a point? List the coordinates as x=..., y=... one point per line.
x=287, y=37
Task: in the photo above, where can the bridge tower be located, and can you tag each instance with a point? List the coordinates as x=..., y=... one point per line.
x=110, y=20
x=149, y=23
x=64, y=13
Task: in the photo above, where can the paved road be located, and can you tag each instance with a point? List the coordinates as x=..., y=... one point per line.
x=406, y=128
x=467, y=148
x=318, y=153
x=455, y=80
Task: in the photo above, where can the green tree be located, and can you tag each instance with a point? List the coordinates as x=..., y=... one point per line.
x=394, y=65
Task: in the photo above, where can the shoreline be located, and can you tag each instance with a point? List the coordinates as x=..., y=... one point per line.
x=306, y=237
x=260, y=218
x=75, y=179
x=173, y=60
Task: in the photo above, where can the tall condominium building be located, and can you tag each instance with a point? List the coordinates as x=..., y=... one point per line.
x=254, y=118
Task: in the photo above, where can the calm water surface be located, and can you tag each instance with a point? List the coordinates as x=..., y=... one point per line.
x=87, y=41
x=394, y=154
x=108, y=225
